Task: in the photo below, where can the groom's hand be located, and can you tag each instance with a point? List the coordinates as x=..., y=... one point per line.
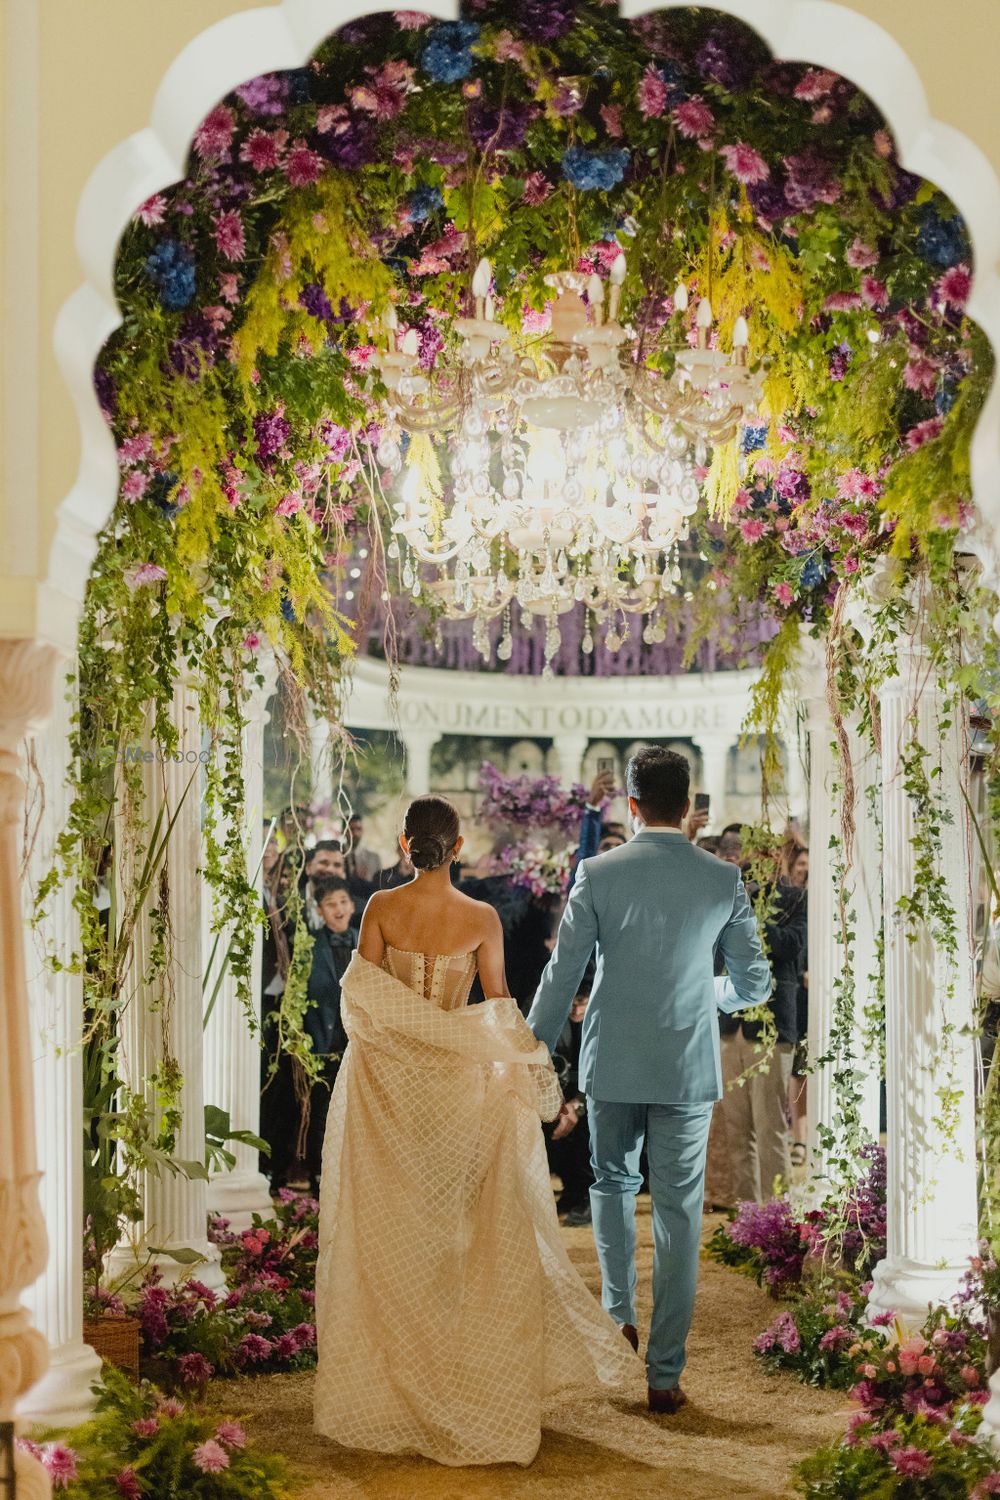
x=567, y=1120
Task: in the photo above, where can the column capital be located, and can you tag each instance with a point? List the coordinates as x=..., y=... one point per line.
x=27, y=677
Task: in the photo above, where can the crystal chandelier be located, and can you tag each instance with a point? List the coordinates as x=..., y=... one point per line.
x=573, y=466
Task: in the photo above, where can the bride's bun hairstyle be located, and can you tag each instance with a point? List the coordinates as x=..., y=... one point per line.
x=431, y=828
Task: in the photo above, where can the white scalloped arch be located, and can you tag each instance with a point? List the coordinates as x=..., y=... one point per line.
x=285, y=36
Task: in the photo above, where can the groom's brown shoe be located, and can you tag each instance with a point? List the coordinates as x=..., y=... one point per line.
x=631, y=1333
x=666, y=1403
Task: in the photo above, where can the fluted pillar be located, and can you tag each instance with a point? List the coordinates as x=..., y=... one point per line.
x=419, y=743
x=167, y=1015
x=232, y=1045
x=796, y=789
x=63, y=1397
x=714, y=751
x=929, y=1012
x=863, y=883
x=26, y=683
x=824, y=953
x=570, y=750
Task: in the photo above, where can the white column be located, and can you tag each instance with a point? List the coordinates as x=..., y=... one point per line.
x=320, y=759
x=931, y=1171
x=26, y=673
x=714, y=751
x=864, y=895
x=419, y=743
x=570, y=750
x=63, y=1396
x=232, y=1046
x=796, y=781
x=824, y=954
x=169, y=1014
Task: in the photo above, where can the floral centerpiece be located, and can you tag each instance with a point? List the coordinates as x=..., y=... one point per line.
x=529, y=802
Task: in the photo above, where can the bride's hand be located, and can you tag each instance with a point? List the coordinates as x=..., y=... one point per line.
x=567, y=1120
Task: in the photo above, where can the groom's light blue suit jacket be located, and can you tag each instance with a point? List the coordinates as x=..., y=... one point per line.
x=657, y=910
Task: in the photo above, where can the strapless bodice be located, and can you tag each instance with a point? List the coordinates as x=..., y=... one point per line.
x=444, y=979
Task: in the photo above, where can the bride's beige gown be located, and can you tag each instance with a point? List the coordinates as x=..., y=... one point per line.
x=447, y=1308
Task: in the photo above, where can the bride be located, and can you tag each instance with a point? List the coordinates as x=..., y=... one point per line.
x=447, y=1308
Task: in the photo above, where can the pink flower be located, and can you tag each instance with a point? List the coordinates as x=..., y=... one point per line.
x=230, y=240
x=143, y=575
x=211, y=1457
x=507, y=49
x=611, y=114
x=914, y=1463
x=169, y=1406
x=842, y=302
x=229, y=287
x=536, y=322
x=955, y=286
x=133, y=450
x=127, y=1485
x=693, y=118
x=231, y=1434
x=360, y=358
x=385, y=96
x=215, y=133
x=134, y=486
x=926, y=1364
x=145, y=1427
x=882, y=141
x=652, y=94
x=60, y=1462
x=921, y=375
x=335, y=117
x=536, y=189
x=153, y=211
x=969, y=1374
x=911, y=1349
x=745, y=163
x=251, y=642
x=859, y=255
x=814, y=84
x=783, y=594
x=304, y=166
x=264, y=149
x=874, y=292
x=410, y=20
x=989, y=1485
x=752, y=530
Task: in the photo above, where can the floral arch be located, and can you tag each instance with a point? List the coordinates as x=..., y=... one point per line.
x=297, y=602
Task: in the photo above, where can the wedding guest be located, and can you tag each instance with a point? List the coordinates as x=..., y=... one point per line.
x=755, y=1112
x=569, y=1157
x=333, y=948
x=730, y=848
x=394, y=875
x=362, y=864
x=795, y=862
x=591, y=829
x=610, y=839
x=324, y=861
x=278, y=1110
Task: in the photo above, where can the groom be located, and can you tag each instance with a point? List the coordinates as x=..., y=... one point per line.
x=658, y=910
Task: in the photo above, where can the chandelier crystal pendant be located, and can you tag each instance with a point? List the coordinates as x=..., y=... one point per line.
x=574, y=464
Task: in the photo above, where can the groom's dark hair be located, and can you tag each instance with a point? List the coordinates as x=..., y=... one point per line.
x=659, y=780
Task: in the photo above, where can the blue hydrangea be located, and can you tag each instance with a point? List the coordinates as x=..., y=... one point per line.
x=815, y=572
x=943, y=242
x=288, y=608
x=159, y=491
x=171, y=266
x=752, y=438
x=447, y=58
x=422, y=202
x=944, y=400
x=591, y=170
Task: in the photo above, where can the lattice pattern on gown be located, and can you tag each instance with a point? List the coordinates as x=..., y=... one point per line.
x=447, y=1307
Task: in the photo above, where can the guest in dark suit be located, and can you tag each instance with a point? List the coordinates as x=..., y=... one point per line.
x=333, y=949
x=401, y=873
x=569, y=1155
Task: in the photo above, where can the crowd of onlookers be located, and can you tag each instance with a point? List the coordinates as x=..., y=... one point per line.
x=756, y=1134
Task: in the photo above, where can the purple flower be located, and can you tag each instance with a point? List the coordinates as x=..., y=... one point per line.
x=914, y=1463
x=315, y=301
x=265, y=95
x=272, y=432
x=544, y=20
x=810, y=180
x=253, y=1350
x=727, y=59
x=502, y=129
x=194, y=1370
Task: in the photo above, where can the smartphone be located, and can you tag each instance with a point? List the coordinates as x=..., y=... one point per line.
x=701, y=801
x=605, y=765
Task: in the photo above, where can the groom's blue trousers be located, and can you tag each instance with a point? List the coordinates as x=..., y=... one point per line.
x=676, y=1137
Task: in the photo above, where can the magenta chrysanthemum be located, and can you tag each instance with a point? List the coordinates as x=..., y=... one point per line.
x=230, y=239
x=60, y=1464
x=955, y=286
x=693, y=118
x=304, y=166
x=231, y=1435
x=746, y=164
x=264, y=149
x=652, y=94
x=214, y=135
x=210, y=1457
